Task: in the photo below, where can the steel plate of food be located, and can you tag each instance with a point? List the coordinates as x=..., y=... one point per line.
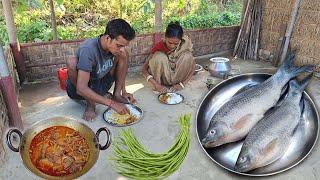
x=170, y=98
x=115, y=119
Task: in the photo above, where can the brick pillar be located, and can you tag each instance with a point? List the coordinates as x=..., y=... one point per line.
x=19, y=61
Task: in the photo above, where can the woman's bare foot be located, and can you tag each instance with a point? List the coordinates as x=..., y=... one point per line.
x=89, y=113
x=157, y=87
x=152, y=86
x=161, y=89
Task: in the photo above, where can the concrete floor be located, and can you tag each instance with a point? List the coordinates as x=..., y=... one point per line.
x=157, y=130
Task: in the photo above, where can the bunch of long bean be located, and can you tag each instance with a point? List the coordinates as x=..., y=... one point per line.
x=133, y=160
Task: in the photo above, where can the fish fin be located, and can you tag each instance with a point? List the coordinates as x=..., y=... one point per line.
x=284, y=90
x=270, y=148
x=304, y=109
x=245, y=88
x=302, y=104
x=305, y=81
x=283, y=95
x=297, y=127
x=271, y=110
x=242, y=121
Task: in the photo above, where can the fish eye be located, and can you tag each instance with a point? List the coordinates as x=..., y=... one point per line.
x=213, y=131
x=243, y=159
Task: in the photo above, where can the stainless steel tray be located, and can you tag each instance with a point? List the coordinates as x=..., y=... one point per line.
x=225, y=156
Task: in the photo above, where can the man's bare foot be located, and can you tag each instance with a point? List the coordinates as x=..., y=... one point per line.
x=81, y=102
x=89, y=113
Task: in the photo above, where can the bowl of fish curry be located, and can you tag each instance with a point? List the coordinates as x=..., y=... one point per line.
x=301, y=143
x=58, y=148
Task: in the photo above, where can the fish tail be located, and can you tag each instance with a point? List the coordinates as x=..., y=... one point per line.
x=288, y=62
x=288, y=67
x=300, y=86
x=296, y=71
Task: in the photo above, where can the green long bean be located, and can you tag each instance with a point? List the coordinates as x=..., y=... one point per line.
x=133, y=160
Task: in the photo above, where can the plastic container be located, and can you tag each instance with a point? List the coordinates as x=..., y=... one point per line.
x=62, y=74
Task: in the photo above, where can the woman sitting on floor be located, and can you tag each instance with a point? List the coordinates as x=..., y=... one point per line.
x=170, y=64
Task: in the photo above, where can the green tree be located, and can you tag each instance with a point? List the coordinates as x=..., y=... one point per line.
x=77, y=19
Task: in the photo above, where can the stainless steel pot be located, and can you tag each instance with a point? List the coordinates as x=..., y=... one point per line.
x=26, y=138
x=220, y=67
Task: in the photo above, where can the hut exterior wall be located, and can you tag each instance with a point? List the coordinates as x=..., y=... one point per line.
x=306, y=34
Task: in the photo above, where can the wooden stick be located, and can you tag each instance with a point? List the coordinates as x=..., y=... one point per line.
x=242, y=26
x=280, y=45
x=294, y=15
x=247, y=44
x=255, y=56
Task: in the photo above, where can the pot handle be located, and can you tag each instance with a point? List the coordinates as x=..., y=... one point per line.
x=108, y=138
x=9, y=135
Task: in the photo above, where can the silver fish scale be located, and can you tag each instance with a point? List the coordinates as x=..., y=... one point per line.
x=248, y=101
x=278, y=125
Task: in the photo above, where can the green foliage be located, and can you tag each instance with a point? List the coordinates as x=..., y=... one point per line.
x=23, y=5
x=72, y=32
x=3, y=32
x=77, y=19
x=31, y=28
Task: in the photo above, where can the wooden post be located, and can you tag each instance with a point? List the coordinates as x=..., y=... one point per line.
x=158, y=21
x=13, y=40
x=8, y=91
x=12, y=31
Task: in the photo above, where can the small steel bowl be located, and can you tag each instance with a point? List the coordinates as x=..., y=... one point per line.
x=197, y=69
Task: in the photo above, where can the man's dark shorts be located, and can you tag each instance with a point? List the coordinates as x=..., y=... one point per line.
x=100, y=86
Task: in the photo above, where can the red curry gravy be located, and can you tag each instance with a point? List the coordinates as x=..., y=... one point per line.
x=59, y=151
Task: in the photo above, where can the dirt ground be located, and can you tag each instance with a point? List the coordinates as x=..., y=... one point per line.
x=157, y=130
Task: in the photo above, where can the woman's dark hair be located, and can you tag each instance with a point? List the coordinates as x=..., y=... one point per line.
x=174, y=30
x=119, y=27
